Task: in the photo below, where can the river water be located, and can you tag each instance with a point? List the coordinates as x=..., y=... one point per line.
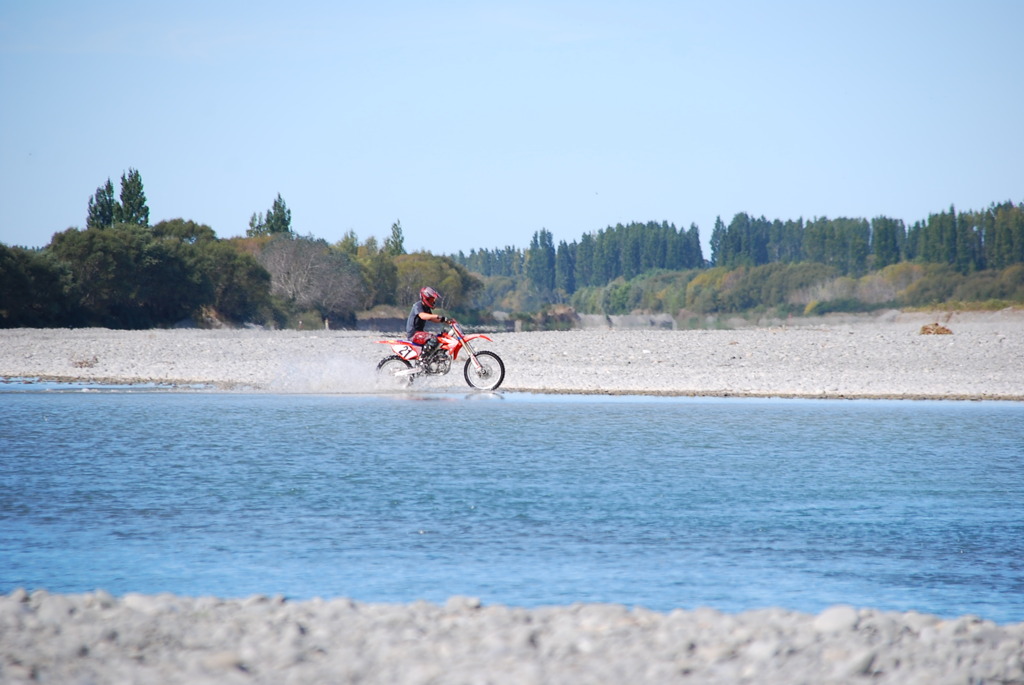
x=517, y=499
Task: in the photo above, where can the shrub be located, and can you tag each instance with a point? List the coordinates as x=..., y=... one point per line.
x=935, y=287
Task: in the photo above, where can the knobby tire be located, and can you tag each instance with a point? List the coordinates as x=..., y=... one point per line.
x=389, y=366
x=492, y=375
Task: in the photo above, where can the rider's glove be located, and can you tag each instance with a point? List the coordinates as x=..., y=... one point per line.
x=445, y=319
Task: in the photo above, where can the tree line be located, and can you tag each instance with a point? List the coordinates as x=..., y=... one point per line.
x=595, y=259
x=122, y=272
x=544, y=273
x=972, y=241
x=659, y=268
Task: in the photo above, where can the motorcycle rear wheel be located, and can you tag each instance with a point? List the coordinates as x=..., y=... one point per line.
x=393, y=372
x=491, y=372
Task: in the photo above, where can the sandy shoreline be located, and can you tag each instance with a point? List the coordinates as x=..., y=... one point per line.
x=96, y=638
x=869, y=357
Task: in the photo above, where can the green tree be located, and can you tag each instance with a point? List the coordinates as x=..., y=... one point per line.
x=630, y=240
x=584, y=267
x=937, y=239
x=853, y=245
x=380, y=275
x=540, y=261
x=607, y=266
x=565, y=268
x=819, y=241
x=887, y=238
x=241, y=286
x=456, y=284
x=349, y=244
x=32, y=289
x=278, y=220
x=224, y=277
x=718, y=249
x=1004, y=238
x=969, y=253
x=132, y=209
x=102, y=207
x=394, y=245
x=688, y=252
x=183, y=231
x=123, y=277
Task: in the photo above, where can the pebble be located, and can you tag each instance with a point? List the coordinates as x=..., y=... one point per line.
x=836, y=619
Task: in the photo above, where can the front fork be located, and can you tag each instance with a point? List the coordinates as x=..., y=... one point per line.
x=472, y=354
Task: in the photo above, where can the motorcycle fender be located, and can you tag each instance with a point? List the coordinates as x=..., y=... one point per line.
x=402, y=348
x=406, y=351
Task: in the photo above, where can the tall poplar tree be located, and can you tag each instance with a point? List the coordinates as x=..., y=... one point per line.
x=718, y=249
x=101, y=207
x=887, y=238
x=394, y=245
x=540, y=261
x=584, y=263
x=279, y=218
x=565, y=268
x=132, y=208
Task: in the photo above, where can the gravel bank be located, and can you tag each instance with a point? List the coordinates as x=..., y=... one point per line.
x=882, y=357
x=96, y=638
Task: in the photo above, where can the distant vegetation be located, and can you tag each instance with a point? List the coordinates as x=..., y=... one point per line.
x=972, y=259
x=122, y=272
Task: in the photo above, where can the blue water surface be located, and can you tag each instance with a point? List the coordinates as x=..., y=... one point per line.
x=517, y=499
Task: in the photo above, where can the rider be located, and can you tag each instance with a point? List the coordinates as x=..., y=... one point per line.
x=420, y=314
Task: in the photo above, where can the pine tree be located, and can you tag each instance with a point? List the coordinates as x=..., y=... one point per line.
x=277, y=220
x=395, y=244
x=887, y=238
x=101, y=207
x=565, y=268
x=718, y=248
x=584, y=266
x=132, y=208
x=694, y=253
x=540, y=261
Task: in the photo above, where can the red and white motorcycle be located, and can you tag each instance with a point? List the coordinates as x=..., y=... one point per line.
x=484, y=370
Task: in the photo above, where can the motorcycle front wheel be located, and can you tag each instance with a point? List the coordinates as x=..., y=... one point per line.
x=394, y=372
x=490, y=374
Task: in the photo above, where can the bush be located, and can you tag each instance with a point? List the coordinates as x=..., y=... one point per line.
x=1011, y=283
x=850, y=305
x=936, y=286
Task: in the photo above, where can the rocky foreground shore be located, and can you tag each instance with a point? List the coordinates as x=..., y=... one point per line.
x=96, y=638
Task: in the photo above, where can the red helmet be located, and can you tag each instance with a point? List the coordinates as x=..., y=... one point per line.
x=428, y=296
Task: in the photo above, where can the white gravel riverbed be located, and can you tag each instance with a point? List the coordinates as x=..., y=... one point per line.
x=96, y=638
x=844, y=358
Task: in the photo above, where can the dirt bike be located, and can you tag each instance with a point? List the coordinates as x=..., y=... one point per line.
x=484, y=370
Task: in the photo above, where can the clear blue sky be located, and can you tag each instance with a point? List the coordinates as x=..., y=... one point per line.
x=478, y=123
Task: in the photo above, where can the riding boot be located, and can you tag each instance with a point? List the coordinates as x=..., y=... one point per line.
x=429, y=347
